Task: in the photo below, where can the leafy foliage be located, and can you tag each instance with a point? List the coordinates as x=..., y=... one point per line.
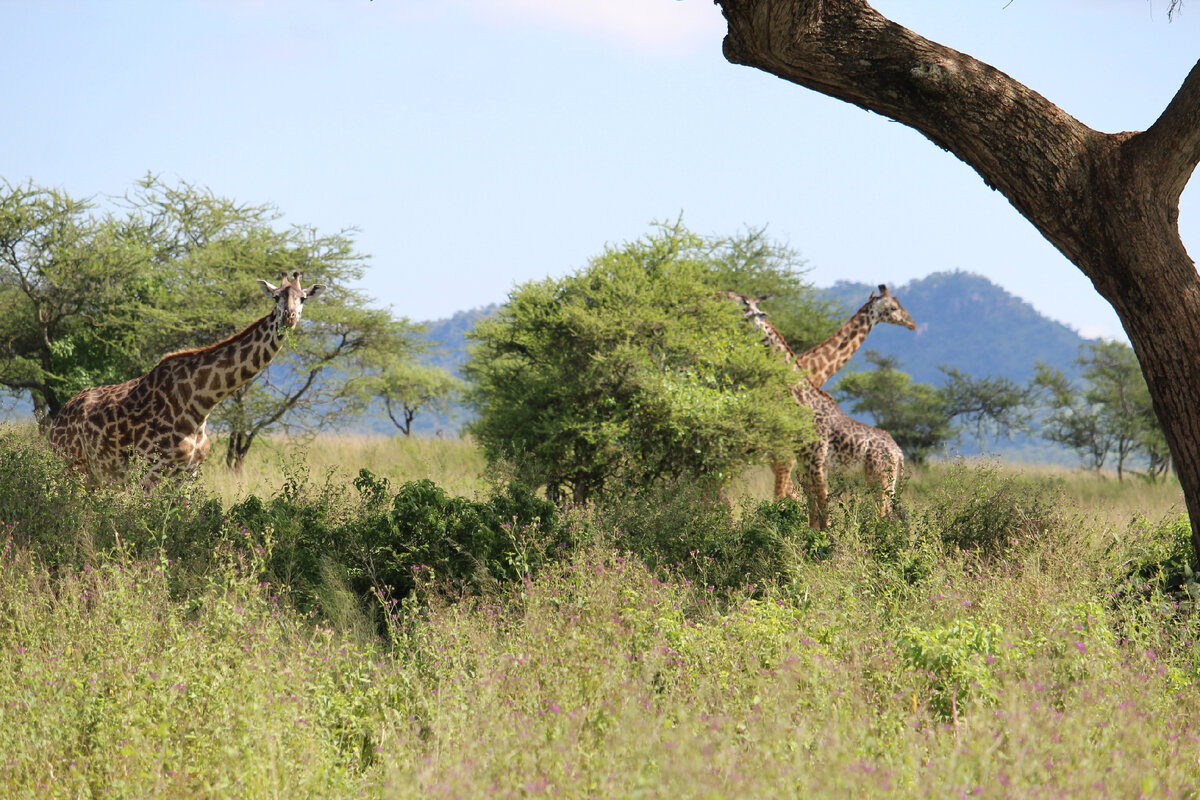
x=90, y=300
x=72, y=288
x=958, y=661
x=675, y=528
x=409, y=388
x=1110, y=416
x=983, y=509
x=631, y=365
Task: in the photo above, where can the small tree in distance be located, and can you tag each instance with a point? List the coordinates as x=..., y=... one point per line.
x=923, y=418
x=1110, y=415
x=408, y=388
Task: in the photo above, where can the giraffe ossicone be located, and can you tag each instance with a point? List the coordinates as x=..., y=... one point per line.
x=161, y=416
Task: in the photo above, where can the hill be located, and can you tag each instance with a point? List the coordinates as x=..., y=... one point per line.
x=965, y=321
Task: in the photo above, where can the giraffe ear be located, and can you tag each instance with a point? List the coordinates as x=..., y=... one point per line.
x=314, y=290
x=267, y=288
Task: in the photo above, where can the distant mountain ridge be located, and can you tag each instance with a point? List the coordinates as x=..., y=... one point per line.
x=965, y=321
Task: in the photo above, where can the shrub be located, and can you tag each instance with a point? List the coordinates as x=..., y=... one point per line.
x=679, y=526
x=1155, y=557
x=958, y=660
x=458, y=543
x=53, y=512
x=40, y=506
x=985, y=510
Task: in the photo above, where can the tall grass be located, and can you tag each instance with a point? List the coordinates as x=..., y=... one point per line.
x=455, y=464
x=1020, y=635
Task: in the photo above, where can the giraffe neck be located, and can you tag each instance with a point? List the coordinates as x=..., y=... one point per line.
x=775, y=340
x=199, y=379
x=825, y=359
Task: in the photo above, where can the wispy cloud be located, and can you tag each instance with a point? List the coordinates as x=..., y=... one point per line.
x=656, y=25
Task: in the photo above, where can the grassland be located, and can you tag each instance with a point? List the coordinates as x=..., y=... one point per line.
x=1023, y=634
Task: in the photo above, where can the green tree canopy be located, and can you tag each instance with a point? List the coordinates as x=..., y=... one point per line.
x=631, y=365
x=72, y=285
x=408, y=387
x=922, y=418
x=88, y=299
x=752, y=264
x=1110, y=415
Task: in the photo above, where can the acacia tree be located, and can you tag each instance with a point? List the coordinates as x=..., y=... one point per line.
x=632, y=367
x=1110, y=415
x=922, y=418
x=71, y=289
x=1108, y=202
x=1072, y=420
x=211, y=251
x=408, y=387
x=92, y=296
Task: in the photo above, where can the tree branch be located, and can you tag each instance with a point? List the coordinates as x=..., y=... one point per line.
x=1172, y=143
x=1037, y=155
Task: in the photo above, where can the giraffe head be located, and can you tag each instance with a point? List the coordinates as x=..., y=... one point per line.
x=751, y=303
x=290, y=297
x=885, y=308
x=759, y=317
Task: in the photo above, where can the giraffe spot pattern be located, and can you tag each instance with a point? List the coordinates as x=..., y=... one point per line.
x=162, y=415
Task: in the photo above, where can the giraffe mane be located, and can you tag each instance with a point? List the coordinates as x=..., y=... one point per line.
x=195, y=351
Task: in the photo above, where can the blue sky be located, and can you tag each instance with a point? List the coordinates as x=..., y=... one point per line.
x=477, y=144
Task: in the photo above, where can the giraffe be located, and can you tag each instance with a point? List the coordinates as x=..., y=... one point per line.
x=161, y=416
x=825, y=359
x=842, y=442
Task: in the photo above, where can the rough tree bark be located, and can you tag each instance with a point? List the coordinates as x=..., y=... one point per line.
x=1108, y=202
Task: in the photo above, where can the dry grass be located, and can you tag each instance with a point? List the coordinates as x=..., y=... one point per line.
x=454, y=464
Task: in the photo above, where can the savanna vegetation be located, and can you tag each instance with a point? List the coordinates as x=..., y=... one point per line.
x=589, y=598
x=439, y=631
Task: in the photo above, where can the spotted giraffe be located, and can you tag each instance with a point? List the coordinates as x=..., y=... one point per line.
x=161, y=416
x=842, y=443
x=825, y=359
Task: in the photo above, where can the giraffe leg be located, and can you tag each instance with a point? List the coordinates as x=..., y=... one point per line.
x=817, y=488
x=783, y=479
x=883, y=473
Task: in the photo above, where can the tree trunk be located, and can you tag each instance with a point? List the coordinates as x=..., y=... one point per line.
x=1108, y=202
x=235, y=451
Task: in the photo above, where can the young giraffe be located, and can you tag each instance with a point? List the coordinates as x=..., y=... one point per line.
x=824, y=360
x=161, y=416
x=842, y=443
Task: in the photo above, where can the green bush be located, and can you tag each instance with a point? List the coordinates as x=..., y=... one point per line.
x=679, y=526
x=1155, y=557
x=988, y=511
x=392, y=542
x=40, y=507
x=960, y=661
x=53, y=512
x=459, y=544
